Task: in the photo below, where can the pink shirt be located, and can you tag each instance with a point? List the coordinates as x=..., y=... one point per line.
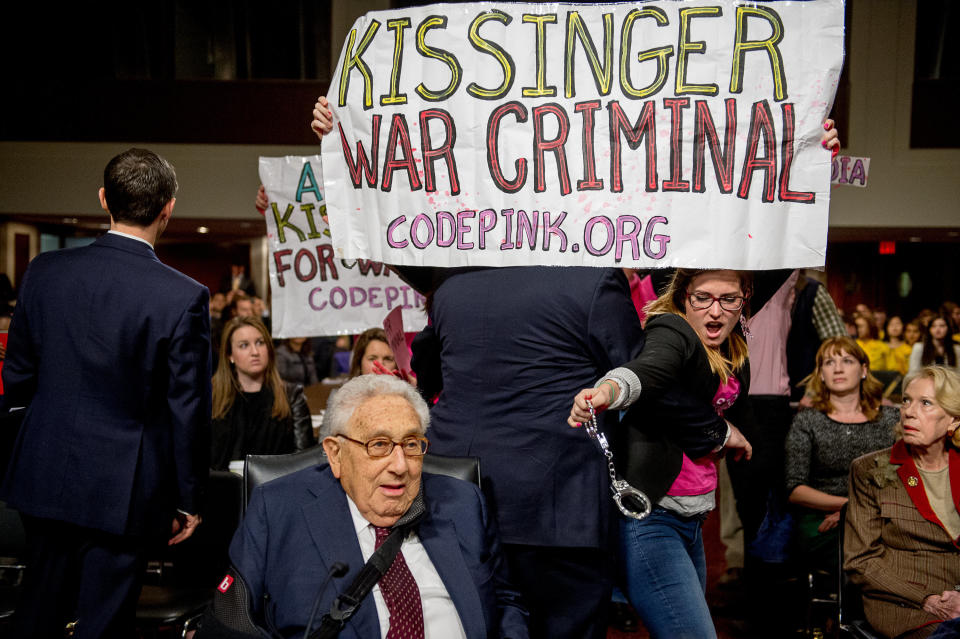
x=767, y=341
x=699, y=476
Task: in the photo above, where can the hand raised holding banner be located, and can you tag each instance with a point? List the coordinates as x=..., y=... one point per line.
x=322, y=118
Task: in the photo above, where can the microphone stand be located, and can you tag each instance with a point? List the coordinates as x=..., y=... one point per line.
x=338, y=569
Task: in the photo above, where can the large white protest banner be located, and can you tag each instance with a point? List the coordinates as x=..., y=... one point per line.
x=646, y=134
x=313, y=292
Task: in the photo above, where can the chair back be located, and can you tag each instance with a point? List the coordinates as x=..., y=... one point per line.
x=850, y=616
x=203, y=558
x=13, y=539
x=259, y=469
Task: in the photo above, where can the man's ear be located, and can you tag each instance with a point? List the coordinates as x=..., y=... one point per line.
x=103, y=199
x=167, y=210
x=331, y=445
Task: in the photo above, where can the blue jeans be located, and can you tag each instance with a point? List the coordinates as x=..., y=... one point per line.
x=666, y=574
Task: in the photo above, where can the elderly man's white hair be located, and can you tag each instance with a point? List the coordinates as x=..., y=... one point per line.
x=358, y=390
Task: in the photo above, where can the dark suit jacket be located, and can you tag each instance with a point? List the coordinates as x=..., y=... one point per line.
x=895, y=547
x=516, y=345
x=297, y=526
x=109, y=350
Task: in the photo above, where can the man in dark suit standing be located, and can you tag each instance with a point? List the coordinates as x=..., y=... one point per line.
x=109, y=357
x=514, y=342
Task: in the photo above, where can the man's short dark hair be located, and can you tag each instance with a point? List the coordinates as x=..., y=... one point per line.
x=137, y=185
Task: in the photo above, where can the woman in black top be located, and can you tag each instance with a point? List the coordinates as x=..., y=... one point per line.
x=254, y=411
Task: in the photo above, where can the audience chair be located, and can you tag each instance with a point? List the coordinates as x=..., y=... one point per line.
x=193, y=568
x=259, y=469
x=851, y=619
x=13, y=547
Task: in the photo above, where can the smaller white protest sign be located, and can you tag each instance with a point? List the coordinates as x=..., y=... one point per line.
x=313, y=292
x=851, y=171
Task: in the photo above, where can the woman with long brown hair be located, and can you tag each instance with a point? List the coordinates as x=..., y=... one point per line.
x=254, y=411
x=937, y=348
x=845, y=421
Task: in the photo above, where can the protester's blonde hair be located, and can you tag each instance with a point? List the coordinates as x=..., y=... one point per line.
x=871, y=388
x=946, y=390
x=732, y=354
x=225, y=382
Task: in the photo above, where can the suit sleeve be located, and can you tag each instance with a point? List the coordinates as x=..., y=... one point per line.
x=188, y=397
x=863, y=546
x=21, y=364
x=248, y=549
x=615, y=335
x=510, y=609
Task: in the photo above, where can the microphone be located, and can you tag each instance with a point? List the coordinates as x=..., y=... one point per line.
x=338, y=569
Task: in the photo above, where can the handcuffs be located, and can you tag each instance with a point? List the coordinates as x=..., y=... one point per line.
x=631, y=502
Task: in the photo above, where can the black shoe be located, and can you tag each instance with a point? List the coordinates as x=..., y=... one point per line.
x=623, y=618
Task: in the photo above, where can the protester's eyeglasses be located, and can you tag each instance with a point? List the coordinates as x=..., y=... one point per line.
x=413, y=446
x=701, y=301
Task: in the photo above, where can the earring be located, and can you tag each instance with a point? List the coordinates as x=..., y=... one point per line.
x=743, y=326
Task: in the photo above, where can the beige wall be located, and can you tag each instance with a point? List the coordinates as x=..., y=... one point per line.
x=912, y=188
x=59, y=178
x=907, y=187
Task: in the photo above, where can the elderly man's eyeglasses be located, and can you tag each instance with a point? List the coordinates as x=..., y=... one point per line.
x=701, y=301
x=413, y=446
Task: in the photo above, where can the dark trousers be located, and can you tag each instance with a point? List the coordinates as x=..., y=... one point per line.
x=567, y=590
x=76, y=573
x=754, y=481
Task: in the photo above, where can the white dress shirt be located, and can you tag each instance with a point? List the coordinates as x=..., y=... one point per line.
x=440, y=617
x=132, y=237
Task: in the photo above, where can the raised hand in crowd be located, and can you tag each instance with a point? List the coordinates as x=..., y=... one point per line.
x=407, y=376
x=831, y=138
x=322, y=118
x=261, y=201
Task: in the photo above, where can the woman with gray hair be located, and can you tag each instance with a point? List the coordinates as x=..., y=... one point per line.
x=903, y=520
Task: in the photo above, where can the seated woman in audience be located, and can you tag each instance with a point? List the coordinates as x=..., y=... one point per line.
x=898, y=357
x=877, y=352
x=845, y=422
x=951, y=312
x=372, y=354
x=254, y=411
x=295, y=361
x=937, y=347
x=900, y=540
x=691, y=373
